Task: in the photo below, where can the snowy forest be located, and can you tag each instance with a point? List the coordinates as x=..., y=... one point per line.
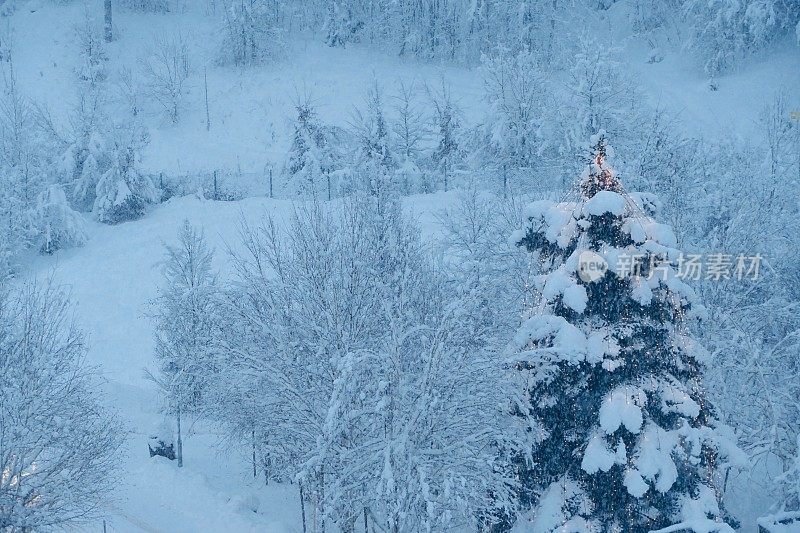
x=398, y=266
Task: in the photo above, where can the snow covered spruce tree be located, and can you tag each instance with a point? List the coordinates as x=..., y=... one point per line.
x=57, y=444
x=375, y=161
x=310, y=163
x=123, y=192
x=627, y=440
x=409, y=130
x=447, y=116
x=57, y=224
x=342, y=24
x=186, y=319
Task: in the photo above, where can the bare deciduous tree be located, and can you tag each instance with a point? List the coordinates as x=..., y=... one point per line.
x=166, y=71
x=57, y=445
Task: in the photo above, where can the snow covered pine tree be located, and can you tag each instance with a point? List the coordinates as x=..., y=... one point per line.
x=627, y=441
x=310, y=161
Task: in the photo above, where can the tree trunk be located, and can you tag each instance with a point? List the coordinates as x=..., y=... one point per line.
x=109, y=35
x=254, y=453
x=180, y=439
x=205, y=85
x=322, y=502
x=303, y=507
x=328, y=177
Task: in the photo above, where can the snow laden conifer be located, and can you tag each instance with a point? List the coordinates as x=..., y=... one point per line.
x=123, y=192
x=514, y=127
x=409, y=130
x=627, y=439
x=82, y=165
x=310, y=163
x=342, y=25
x=375, y=161
x=446, y=124
x=58, y=225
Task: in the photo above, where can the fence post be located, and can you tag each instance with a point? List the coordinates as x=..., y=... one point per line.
x=216, y=197
x=270, y=182
x=254, y=453
x=205, y=85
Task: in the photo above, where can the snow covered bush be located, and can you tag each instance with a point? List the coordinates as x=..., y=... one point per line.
x=162, y=441
x=374, y=160
x=310, y=163
x=150, y=6
x=57, y=444
x=627, y=437
x=58, y=225
x=122, y=193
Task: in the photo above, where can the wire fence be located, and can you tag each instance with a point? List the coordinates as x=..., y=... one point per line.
x=232, y=185
x=221, y=184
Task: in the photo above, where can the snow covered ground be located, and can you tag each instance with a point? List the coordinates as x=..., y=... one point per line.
x=112, y=278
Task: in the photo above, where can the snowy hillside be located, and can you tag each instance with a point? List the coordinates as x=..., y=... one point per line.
x=127, y=157
x=252, y=110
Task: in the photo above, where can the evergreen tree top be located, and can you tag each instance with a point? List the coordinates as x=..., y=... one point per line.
x=599, y=176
